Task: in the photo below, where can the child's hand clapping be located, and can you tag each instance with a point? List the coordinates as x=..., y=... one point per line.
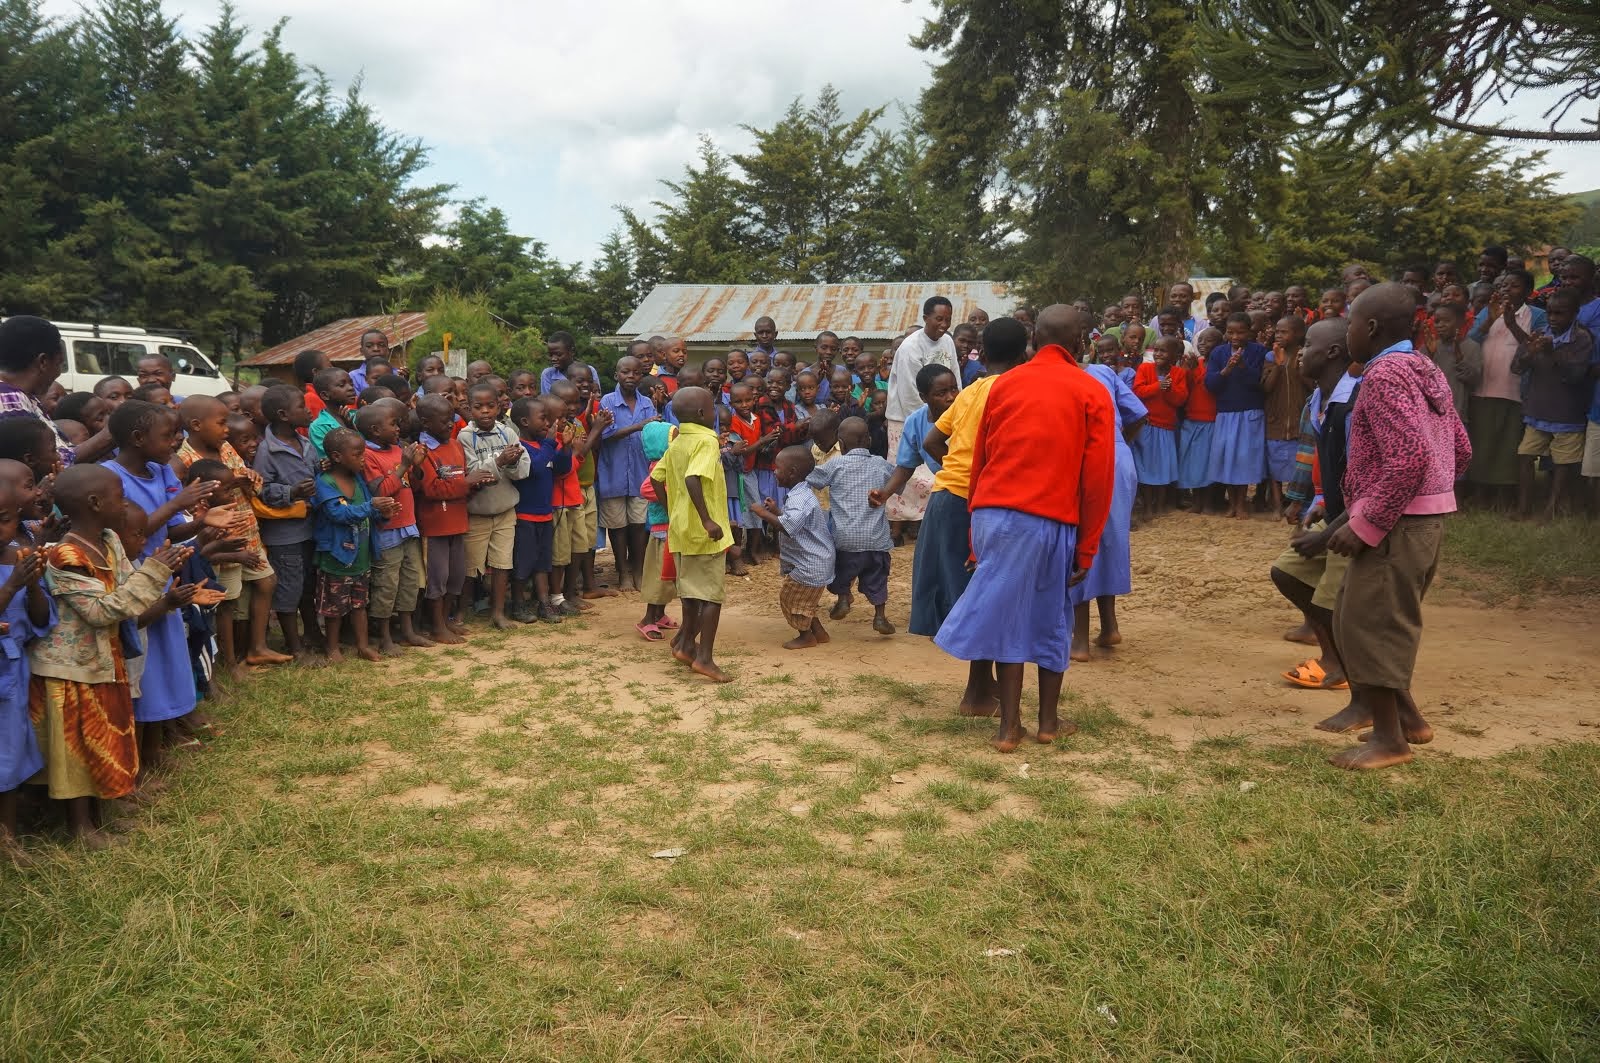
x=509, y=456
x=172, y=555
x=195, y=493
x=181, y=594
x=302, y=490
x=481, y=478
x=385, y=506
x=28, y=569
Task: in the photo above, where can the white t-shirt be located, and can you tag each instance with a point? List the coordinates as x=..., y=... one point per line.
x=916, y=351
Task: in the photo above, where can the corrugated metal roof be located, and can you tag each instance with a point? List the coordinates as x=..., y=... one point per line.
x=725, y=313
x=341, y=340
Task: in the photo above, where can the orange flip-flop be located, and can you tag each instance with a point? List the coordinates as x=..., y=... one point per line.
x=1310, y=675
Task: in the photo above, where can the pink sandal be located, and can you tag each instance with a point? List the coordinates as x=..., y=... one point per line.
x=649, y=632
x=666, y=623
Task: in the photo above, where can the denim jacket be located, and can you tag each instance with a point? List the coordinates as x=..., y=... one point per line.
x=341, y=521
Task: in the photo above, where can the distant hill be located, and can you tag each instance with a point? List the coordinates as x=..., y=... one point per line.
x=1588, y=199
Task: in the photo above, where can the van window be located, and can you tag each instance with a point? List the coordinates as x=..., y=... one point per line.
x=105, y=357
x=186, y=361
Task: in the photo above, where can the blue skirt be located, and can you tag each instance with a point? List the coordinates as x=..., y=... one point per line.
x=749, y=495
x=939, y=568
x=1280, y=459
x=1155, y=454
x=1015, y=610
x=767, y=485
x=1238, y=448
x=1112, y=571
x=1194, y=454
x=166, y=690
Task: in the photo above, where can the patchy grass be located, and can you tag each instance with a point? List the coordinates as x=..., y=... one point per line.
x=1504, y=558
x=356, y=872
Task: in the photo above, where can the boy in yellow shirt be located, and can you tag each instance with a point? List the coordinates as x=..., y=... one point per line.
x=689, y=476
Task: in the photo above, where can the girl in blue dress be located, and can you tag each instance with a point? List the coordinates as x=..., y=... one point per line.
x=147, y=436
x=26, y=612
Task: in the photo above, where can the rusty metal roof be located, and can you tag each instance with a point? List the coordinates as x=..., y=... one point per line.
x=341, y=340
x=725, y=313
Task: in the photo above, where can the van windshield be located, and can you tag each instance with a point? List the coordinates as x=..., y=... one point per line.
x=186, y=361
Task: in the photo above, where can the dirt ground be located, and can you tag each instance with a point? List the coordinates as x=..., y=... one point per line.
x=1203, y=650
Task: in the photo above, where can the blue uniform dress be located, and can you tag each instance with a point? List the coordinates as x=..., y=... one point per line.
x=166, y=690
x=1112, y=571
x=1239, y=441
x=20, y=758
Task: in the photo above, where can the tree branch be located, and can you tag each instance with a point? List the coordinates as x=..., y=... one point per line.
x=1570, y=136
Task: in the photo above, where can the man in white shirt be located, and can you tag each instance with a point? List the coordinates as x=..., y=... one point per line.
x=1181, y=295
x=929, y=345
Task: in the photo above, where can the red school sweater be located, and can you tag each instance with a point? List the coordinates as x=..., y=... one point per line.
x=383, y=478
x=1163, y=405
x=1202, y=405
x=442, y=506
x=1076, y=427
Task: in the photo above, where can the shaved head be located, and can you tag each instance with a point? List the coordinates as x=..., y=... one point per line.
x=1060, y=323
x=1381, y=316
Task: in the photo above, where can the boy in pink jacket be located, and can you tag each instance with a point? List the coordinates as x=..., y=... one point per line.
x=1407, y=448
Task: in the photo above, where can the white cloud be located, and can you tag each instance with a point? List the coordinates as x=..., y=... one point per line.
x=556, y=110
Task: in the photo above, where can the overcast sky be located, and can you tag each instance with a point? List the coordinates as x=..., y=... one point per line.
x=558, y=110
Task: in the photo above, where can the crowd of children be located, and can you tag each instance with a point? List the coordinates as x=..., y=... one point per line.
x=380, y=510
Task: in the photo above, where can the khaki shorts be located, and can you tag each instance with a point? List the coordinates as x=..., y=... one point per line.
x=490, y=540
x=701, y=576
x=1377, y=623
x=1563, y=448
x=569, y=541
x=1591, y=450
x=656, y=591
x=1325, y=573
x=621, y=512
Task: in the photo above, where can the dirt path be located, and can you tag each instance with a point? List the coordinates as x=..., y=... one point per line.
x=1203, y=650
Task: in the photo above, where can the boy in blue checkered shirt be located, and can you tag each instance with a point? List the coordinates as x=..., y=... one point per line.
x=855, y=481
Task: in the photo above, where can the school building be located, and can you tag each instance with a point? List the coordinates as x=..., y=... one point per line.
x=341, y=342
x=714, y=318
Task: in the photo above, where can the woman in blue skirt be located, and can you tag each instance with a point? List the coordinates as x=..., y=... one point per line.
x=1239, y=441
x=1111, y=575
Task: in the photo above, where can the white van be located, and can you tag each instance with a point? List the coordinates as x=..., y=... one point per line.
x=96, y=351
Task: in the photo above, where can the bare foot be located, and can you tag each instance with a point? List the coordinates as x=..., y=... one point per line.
x=711, y=672
x=986, y=709
x=310, y=660
x=1108, y=639
x=738, y=568
x=882, y=626
x=1352, y=717
x=680, y=654
x=599, y=592
x=12, y=851
x=447, y=637
x=803, y=641
x=370, y=654
x=388, y=648
x=98, y=840
x=1066, y=728
x=1242, y=515
x=502, y=623
x=236, y=672
x=336, y=657
x=1007, y=741
x=841, y=609
x=1372, y=756
x=417, y=639
x=1302, y=635
x=456, y=625
x=1078, y=653
x=266, y=656
x=821, y=635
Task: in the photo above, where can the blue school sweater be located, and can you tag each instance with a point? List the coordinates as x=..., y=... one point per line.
x=1241, y=389
x=547, y=462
